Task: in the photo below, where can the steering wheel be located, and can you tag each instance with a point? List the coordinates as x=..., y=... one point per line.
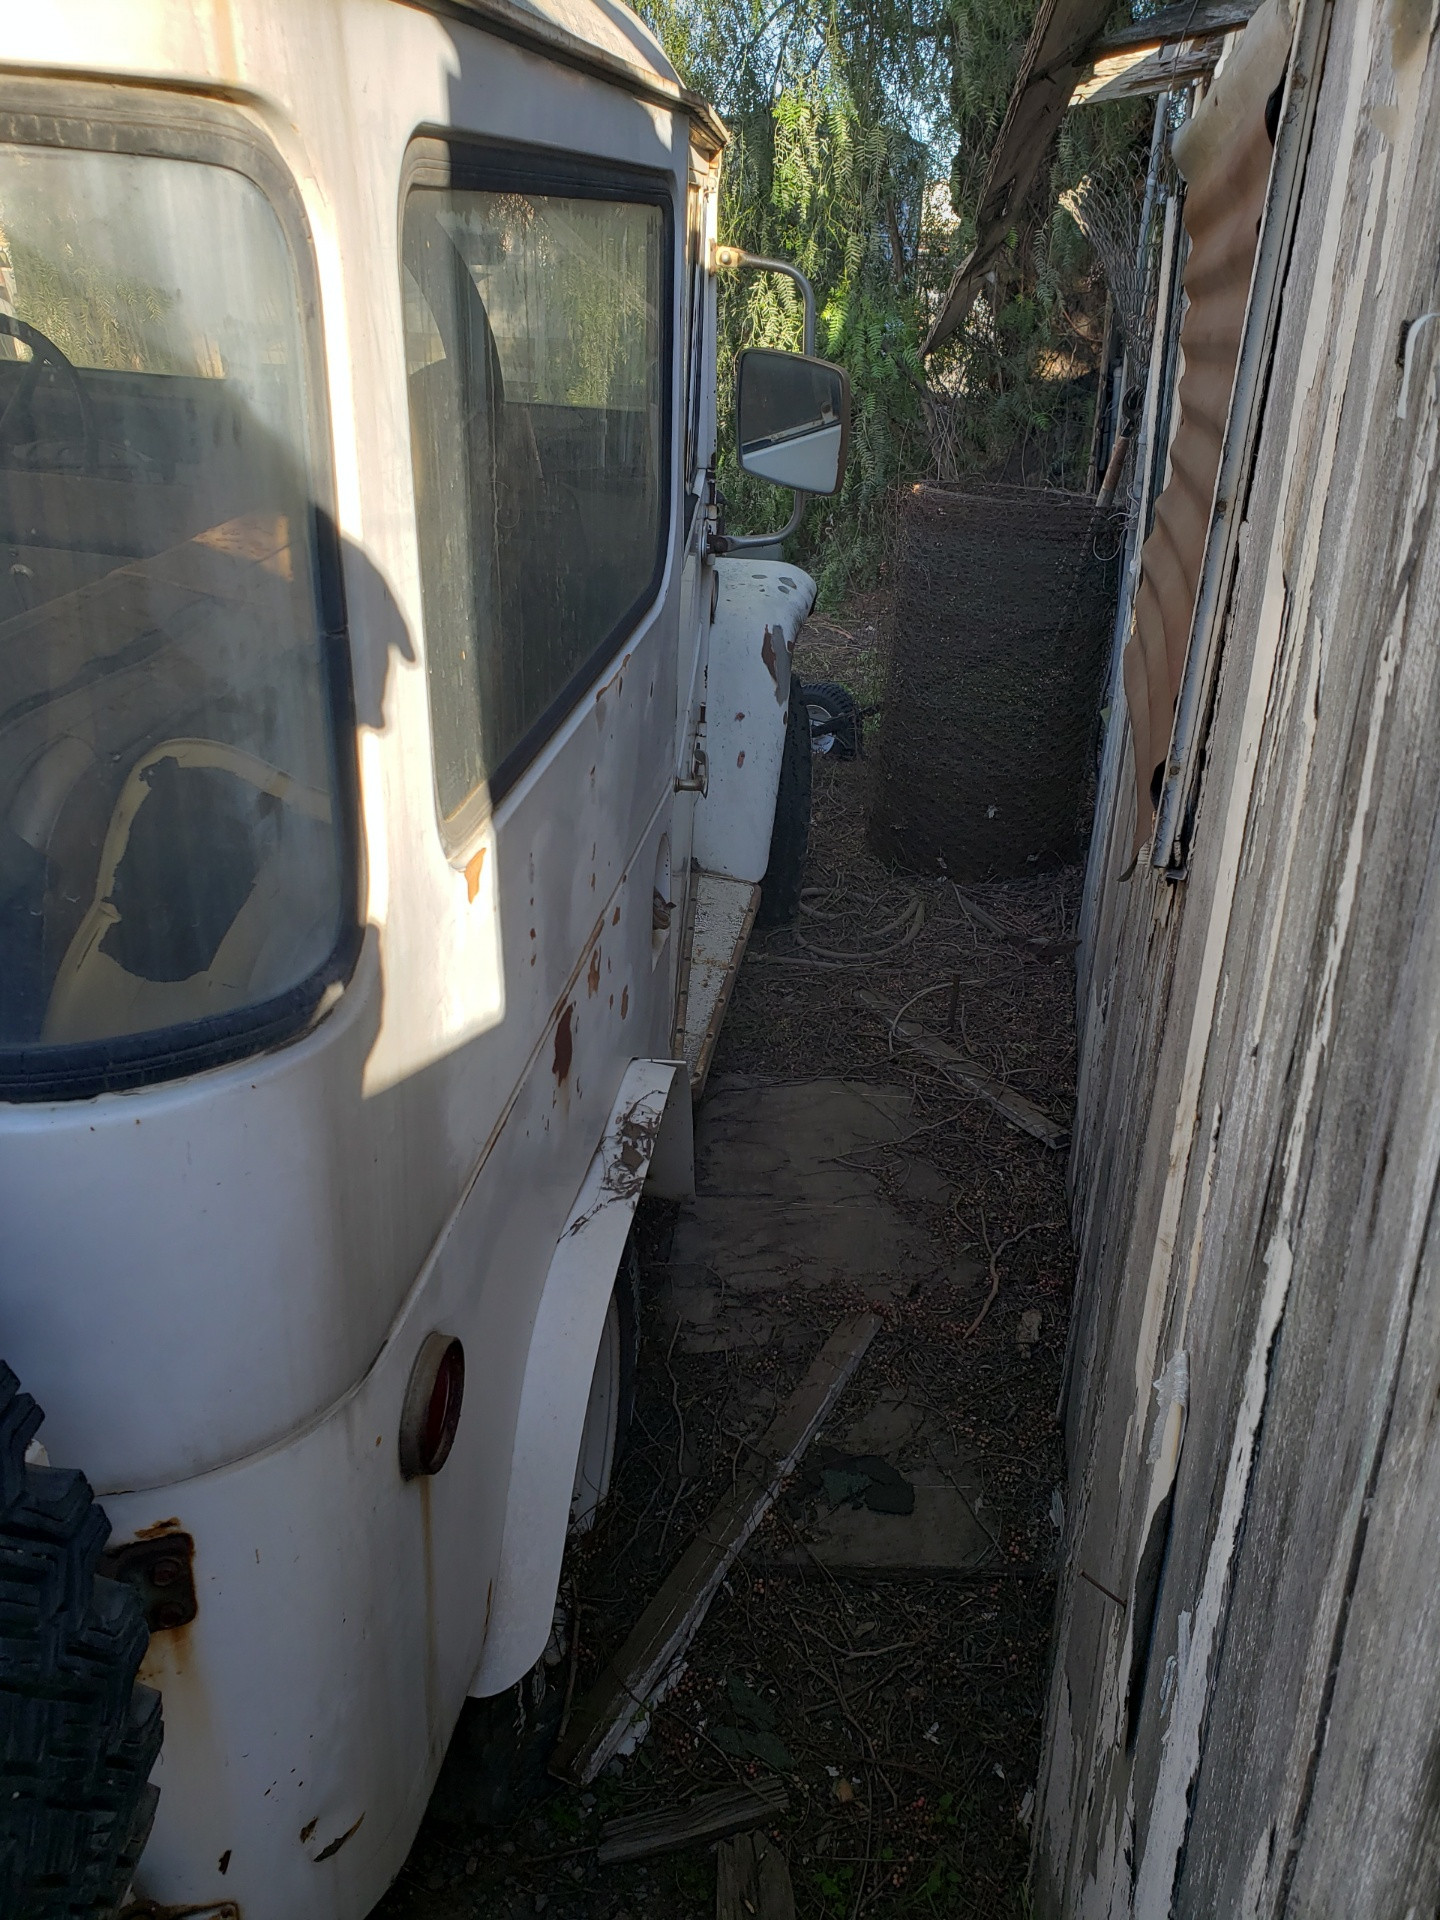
x=46, y=354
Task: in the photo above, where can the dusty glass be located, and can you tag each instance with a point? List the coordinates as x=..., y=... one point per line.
x=534, y=335
x=169, y=847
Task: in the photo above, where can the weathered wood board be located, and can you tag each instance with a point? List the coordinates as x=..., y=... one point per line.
x=1257, y=1143
x=752, y=1881
x=620, y=1699
x=710, y=1817
x=1019, y=1111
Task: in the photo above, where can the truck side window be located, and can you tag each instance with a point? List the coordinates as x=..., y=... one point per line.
x=536, y=326
x=173, y=861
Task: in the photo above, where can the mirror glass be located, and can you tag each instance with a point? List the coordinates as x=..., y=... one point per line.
x=794, y=419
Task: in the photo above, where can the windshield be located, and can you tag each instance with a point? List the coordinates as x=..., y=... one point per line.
x=169, y=853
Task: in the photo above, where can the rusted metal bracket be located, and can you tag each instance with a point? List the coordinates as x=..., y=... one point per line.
x=698, y=780
x=162, y=1572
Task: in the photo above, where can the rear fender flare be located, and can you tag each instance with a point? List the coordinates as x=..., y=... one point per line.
x=646, y=1144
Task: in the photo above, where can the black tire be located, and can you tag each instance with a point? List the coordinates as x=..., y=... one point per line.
x=627, y=1298
x=834, y=716
x=78, y=1737
x=790, y=835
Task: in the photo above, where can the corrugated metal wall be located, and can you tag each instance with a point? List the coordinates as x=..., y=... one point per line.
x=1223, y=154
x=1254, y=1731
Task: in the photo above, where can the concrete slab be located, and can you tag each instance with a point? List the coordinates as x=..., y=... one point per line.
x=942, y=1535
x=779, y=1207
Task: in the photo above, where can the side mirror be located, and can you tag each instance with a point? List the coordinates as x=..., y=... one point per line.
x=794, y=419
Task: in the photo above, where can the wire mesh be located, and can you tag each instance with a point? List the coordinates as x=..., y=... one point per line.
x=995, y=655
x=1107, y=206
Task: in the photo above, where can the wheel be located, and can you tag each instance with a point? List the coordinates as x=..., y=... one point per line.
x=611, y=1405
x=790, y=835
x=78, y=1737
x=837, y=726
x=496, y=1762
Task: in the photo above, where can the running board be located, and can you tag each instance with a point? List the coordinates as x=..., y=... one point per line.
x=722, y=914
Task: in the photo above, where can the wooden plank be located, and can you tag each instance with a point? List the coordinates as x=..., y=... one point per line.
x=752, y=1881
x=1257, y=1153
x=1136, y=75
x=1019, y=1111
x=1190, y=20
x=622, y=1696
x=1052, y=63
x=712, y=1816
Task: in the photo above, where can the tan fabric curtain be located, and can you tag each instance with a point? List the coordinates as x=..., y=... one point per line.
x=1223, y=155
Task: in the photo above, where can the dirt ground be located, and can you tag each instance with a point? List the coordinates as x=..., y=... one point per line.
x=888, y=1666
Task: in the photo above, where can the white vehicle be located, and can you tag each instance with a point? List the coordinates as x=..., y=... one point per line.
x=389, y=751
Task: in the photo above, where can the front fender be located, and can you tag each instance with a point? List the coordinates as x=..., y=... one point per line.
x=760, y=608
x=647, y=1134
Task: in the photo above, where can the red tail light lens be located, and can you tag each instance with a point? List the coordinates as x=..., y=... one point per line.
x=432, y=1405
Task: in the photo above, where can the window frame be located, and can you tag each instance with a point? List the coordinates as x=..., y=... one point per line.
x=457, y=161
x=150, y=122
x=697, y=289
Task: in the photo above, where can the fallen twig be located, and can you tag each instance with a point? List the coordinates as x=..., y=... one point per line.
x=1019, y=1111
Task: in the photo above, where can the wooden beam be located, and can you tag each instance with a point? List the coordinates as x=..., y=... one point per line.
x=1019, y=1111
x=1134, y=75
x=1190, y=20
x=752, y=1881
x=711, y=1816
x=621, y=1698
x=1052, y=63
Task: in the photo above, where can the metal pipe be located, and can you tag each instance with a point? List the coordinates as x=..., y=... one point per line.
x=736, y=257
x=758, y=263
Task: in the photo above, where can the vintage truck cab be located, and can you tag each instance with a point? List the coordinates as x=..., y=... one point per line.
x=390, y=740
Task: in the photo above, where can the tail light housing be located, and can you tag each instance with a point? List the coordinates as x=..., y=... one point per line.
x=431, y=1412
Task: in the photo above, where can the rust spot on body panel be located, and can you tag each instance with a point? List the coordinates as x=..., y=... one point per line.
x=592, y=976
x=624, y=1002
x=473, y=871
x=564, y=1045
x=767, y=654
x=159, y=1527
x=335, y=1845
x=159, y=1566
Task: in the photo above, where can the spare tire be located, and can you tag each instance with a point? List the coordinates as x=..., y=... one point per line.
x=78, y=1737
x=837, y=727
x=790, y=835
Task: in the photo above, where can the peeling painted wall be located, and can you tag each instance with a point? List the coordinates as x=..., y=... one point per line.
x=1257, y=1145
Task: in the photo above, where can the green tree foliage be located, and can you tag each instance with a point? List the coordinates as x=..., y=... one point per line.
x=861, y=130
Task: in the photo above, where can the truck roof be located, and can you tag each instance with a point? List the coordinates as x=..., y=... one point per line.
x=602, y=36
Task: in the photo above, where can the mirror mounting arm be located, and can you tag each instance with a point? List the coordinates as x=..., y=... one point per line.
x=736, y=257
x=757, y=263
x=739, y=542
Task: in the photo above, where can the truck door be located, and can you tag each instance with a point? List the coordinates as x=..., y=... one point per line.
x=539, y=333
